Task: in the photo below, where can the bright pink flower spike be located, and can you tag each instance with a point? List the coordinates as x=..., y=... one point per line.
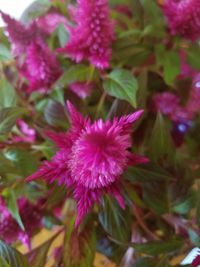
x=20, y=35
x=183, y=17
x=92, y=158
x=41, y=68
x=91, y=39
x=165, y=102
x=10, y=231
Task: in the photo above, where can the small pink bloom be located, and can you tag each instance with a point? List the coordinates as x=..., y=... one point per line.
x=91, y=39
x=20, y=35
x=81, y=89
x=165, y=102
x=51, y=21
x=41, y=68
x=10, y=231
x=183, y=17
x=91, y=158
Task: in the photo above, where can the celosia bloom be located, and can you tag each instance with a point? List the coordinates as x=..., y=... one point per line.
x=20, y=35
x=183, y=17
x=91, y=158
x=81, y=89
x=92, y=37
x=31, y=216
x=41, y=68
x=50, y=22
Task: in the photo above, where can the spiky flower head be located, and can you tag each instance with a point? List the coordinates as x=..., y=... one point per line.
x=183, y=17
x=20, y=35
x=10, y=231
x=91, y=158
x=92, y=36
x=41, y=67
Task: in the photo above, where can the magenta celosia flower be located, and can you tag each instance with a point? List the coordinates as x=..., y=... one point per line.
x=20, y=35
x=196, y=261
x=183, y=17
x=51, y=21
x=91, y=158
x=91, y=38
x=41, y=68
x=10, y=231
x=81, y=89
x=165, y=102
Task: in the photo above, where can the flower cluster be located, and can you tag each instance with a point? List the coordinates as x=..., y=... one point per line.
x=91, y=158
x=183, y=17
x=91, y=38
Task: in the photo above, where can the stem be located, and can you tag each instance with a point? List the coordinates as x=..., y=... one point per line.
x=100, y=104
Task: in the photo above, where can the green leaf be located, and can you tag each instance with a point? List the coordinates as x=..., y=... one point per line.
x=23, y=160
x=161, y=143
x=63, y=35
x=159, y=247
x=122, y=84
x=7, y=94
x=114, y=220
x=193, y=55
x=145, y=262
x=170, y=61
x=78, y=72
x=55, y=114
x=11, y=201
x=147, y=173
x=5, y=53
x=10, y=257
x=79, y=247
x=8, y=117
x=38, y=256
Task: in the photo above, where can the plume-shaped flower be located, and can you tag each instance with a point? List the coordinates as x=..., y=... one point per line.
x=91, y=38
x=41, y=68
x=91, y=158
x=10, y=231
x=20, y=35
x=183, y=17
x=81, y=89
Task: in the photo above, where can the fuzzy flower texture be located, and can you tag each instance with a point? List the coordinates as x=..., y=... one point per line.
x=92, y=36
x=91, y=158
x=183, y=17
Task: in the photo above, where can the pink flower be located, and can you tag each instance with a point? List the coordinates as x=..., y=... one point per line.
x=165, y=102
x=91, y=158
x=20, y=35
x=41, y=68
x=51, y=21
x=196, y=261
x=10, y=231
x=183, y=17
x=92, y=37
x=81, y=89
